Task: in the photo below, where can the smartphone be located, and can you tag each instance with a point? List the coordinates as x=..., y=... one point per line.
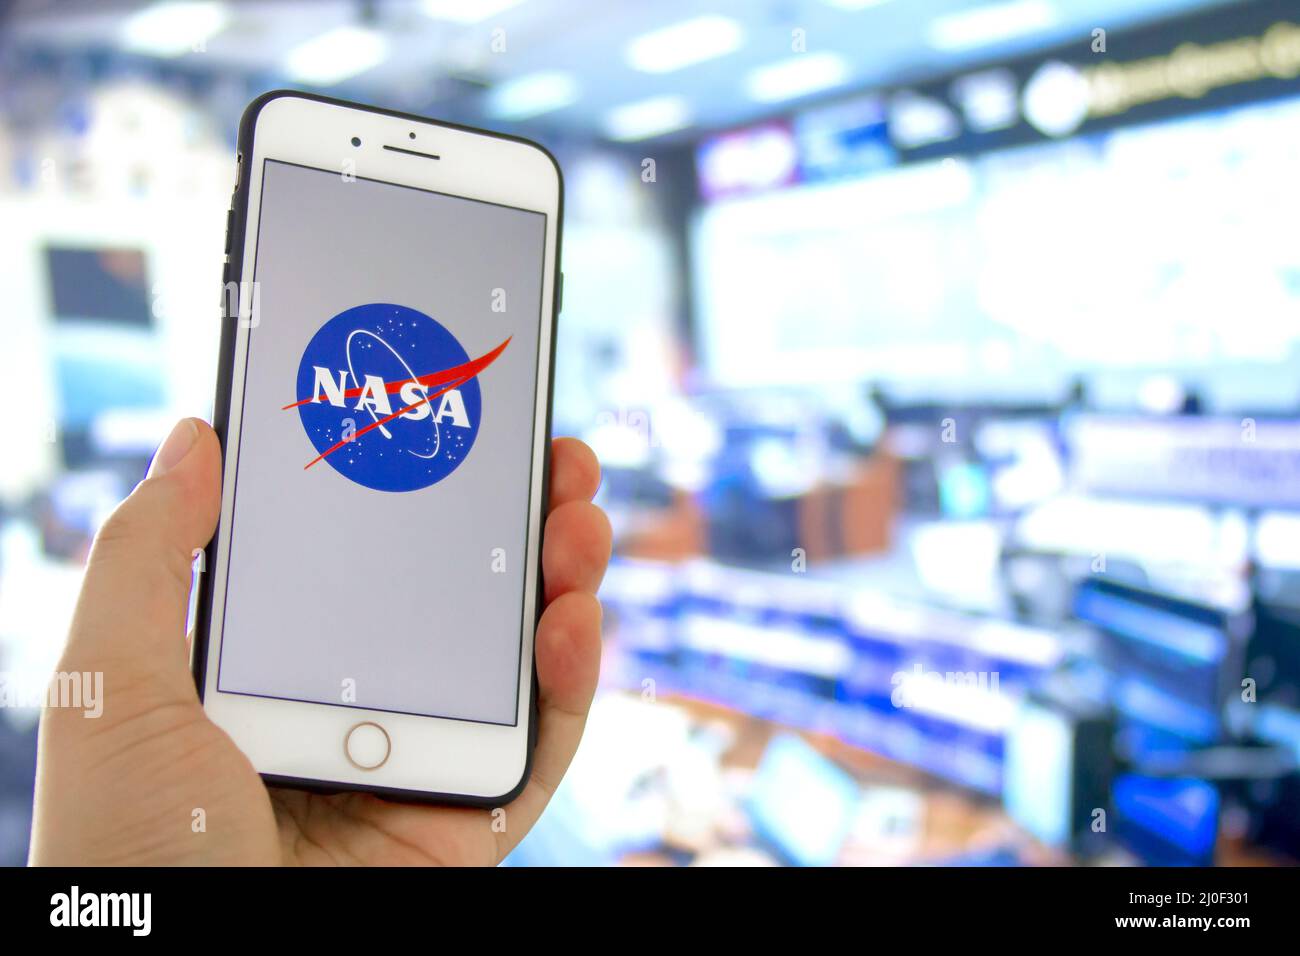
x=366, y=616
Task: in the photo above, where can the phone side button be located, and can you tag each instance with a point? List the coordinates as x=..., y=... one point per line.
x=559, y=296
x=367, y=746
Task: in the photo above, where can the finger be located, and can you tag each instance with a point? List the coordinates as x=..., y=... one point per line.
x=576, y=548
x=575, y=472
x=568, y=666
x=135, y=594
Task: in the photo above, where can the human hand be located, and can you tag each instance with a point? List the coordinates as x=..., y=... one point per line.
x=123, y=789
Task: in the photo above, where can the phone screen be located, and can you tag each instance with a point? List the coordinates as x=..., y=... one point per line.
x=379, y=519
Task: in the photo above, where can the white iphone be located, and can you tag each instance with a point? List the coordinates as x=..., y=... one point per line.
x=366, y=616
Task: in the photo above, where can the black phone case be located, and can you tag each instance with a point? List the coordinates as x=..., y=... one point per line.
x=236, y=227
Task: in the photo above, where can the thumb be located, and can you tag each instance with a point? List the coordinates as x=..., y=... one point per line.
x=130, y=617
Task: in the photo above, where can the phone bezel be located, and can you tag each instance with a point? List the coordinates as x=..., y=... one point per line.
x=301, y=744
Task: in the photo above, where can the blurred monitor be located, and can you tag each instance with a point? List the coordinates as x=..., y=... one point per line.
x=938, y=689
x=746, y=160
x=1023, y=458
x=964, y=489
x=1248, y=461
x=104, y=284
x=1056, y=771
x=1038, y=774
x=1166, y=821
x=1276, y=823
x=996, y=275
x=1273, y=654
x=18, y=758
x=109, y=375
x=1272, y=803
x=1171, y=663
x=751, y=496
x=844, y=139
x=801, y=803
x=96, y=373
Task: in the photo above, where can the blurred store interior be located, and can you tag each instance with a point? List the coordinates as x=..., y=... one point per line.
x=943, y=357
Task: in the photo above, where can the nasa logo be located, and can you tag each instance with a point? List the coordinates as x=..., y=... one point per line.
x=389, y=398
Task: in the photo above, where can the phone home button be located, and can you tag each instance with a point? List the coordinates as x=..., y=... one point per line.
x=367, y=745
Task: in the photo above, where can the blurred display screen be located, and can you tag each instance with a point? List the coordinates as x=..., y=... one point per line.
x=792, y=780
x=107, y=356
x=846, y=139
x=1167, y=822
x=100, y=285
x=1228, y=460
x=1167, y=657
x=1038, y=773
x=932, y=688
x=1010, y=274
x=96, y=372
x=746, y=161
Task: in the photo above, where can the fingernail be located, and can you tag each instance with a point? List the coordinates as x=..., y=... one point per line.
x=176, y=447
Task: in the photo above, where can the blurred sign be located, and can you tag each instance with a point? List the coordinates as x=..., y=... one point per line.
x=847, y=139
x=1192, y=70
x=1196, y=62
x=1216, y=58
x=747, y=161
x=1226, y=461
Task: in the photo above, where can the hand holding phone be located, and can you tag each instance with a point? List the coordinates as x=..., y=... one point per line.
x=374, y=503
x=154, y=781
x=383, y=401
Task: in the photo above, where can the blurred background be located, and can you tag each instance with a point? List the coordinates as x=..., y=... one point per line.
x=942, y=356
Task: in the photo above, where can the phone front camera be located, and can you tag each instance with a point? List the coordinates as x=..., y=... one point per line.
x=356, y=140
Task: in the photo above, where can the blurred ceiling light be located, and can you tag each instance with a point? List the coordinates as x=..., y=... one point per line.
x=532, y=95
x=646, y=118
x=466, y=12
x=855, y=4
x=683, y=44
x=916, y=120
x=1056, y=99
x=988, y=99
x=174, y=28
x=992, y=24
x=797, y=76
x=336, y=55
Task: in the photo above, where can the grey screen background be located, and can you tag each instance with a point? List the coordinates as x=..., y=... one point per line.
x=329, y=581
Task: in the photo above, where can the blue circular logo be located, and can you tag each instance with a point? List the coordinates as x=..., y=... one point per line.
x=389, y=398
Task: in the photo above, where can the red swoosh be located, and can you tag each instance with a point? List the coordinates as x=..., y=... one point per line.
x=467, y=370
x=456, y=375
